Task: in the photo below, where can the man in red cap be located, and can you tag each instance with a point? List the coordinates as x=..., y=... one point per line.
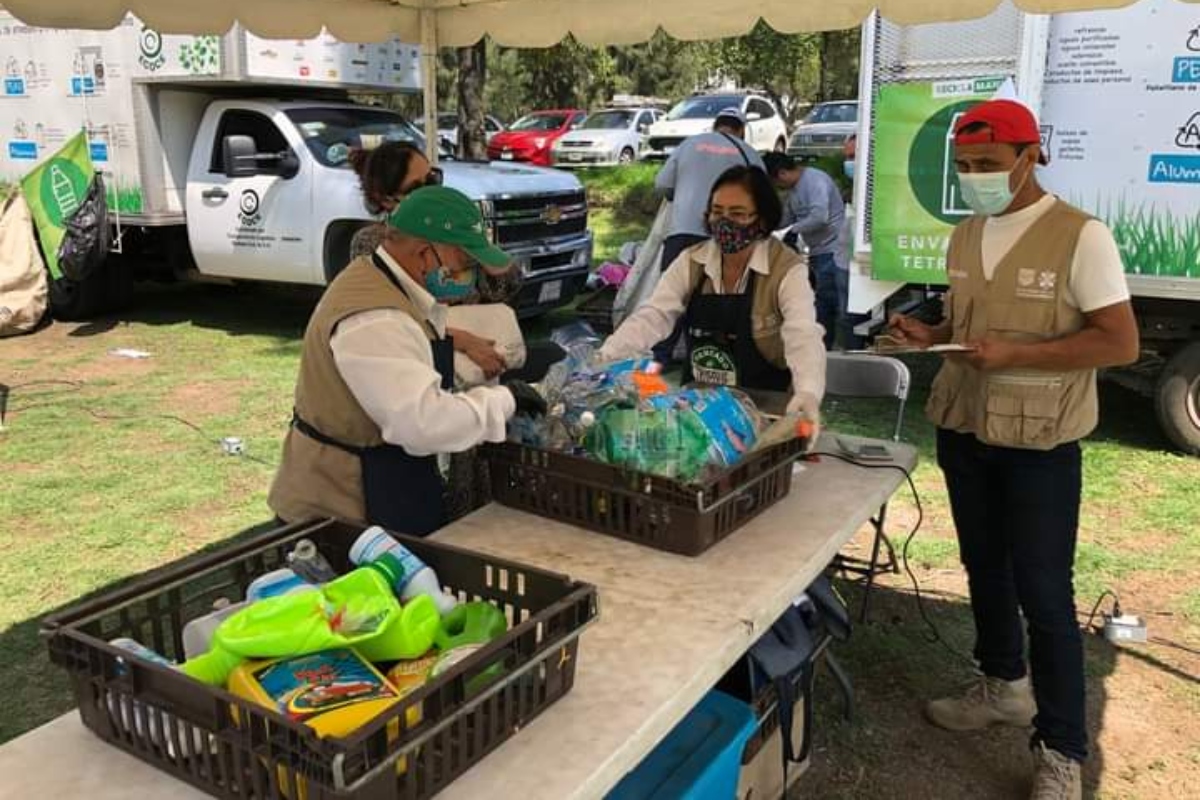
x=1038, y=295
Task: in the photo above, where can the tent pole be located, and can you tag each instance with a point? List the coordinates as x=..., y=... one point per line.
x=429, y=68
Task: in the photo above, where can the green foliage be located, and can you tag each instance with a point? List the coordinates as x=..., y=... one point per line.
x=786, y=66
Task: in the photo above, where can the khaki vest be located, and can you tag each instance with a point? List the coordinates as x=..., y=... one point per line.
x=766, y=318
x=315, y=479
x=1024, y=302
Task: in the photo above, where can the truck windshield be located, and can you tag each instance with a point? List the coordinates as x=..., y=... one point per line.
x=608, y=120
x=704, y=107
x=330, y=133
x=832, y=112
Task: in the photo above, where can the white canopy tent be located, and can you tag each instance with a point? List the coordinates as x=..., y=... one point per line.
x=514, y=23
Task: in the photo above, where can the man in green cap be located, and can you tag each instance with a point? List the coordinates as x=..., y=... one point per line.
x=373, y=406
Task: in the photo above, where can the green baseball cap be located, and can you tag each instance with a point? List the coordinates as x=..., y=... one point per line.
x=447, y=216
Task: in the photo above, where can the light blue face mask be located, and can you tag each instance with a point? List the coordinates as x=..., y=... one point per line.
x=448, y=287
x=848, y=168
x=988, y=193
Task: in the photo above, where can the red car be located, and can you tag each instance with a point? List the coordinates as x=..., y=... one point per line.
x=532, y=136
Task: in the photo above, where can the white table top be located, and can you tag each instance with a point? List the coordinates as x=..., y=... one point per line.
x=669, y=628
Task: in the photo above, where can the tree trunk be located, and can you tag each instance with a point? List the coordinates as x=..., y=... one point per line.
x=472, y=74
x=824, y=56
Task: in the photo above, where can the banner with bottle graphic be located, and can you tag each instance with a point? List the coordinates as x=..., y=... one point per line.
x=916, y=200
x=1132, y=159
x=54, y=191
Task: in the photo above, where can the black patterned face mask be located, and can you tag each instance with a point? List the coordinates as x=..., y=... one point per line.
x=732, y=237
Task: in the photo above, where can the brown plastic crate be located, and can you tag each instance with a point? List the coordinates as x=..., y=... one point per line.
x=189, y=730
x=597, y=308
x=657, y=512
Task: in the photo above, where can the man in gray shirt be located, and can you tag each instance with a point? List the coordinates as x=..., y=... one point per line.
x=689, y=174
x=814, y=211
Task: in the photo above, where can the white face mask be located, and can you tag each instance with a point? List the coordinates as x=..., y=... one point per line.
x=988, y=193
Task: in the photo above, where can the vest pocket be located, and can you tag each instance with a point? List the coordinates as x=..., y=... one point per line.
x=1031, y=320
x=1016, y=421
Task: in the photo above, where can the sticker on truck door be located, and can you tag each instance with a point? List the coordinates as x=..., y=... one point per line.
x=250, y=232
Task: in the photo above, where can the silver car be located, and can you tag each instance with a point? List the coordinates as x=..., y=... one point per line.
x=447, y=122
x=613, y=136
x=825, y=130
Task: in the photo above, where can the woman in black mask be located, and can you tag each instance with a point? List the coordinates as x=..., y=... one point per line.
x=745, y=300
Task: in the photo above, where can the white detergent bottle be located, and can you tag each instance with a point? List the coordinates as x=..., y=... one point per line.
x=416, y=577
x=198, y=634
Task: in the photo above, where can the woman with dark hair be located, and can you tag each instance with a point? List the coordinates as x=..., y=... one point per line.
x=744, y=298
x=388, y=174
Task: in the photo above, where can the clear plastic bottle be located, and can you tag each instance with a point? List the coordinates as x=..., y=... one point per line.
x=307, y=562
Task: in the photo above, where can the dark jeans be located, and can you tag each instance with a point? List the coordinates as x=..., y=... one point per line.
x=1017, y=514
x=830, y=302
x=672, y=246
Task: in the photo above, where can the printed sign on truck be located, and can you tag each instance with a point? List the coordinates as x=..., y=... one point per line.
x=1134, y=159
x=916, y=201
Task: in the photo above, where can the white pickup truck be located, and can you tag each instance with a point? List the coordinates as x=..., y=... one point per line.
x=226, y=157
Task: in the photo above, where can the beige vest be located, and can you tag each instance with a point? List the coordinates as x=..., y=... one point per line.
x=1024, y=302
x=315, y=479
x=766, y=318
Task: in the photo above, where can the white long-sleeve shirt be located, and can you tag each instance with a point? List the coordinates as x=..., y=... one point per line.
x=654, y=320
x=383, y=356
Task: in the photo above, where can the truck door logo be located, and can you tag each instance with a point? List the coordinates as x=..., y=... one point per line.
x=1193, y=41
x=248, y=207
x=150, y=54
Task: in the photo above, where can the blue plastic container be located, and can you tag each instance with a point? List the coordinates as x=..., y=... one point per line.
x=699, y=760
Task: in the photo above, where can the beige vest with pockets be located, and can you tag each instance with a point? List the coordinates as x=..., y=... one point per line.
x=766, y=317
x=315, y=479
x=1024, y=302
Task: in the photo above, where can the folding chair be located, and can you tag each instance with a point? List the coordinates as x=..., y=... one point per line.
x=869, y=376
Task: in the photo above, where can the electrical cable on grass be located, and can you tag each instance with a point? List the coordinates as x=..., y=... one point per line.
x=1116, y=609
x=933, y=635
x=106, y=417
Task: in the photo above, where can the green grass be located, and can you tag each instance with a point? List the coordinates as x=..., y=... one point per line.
x=126, y=199
x=1152, y=240
x=87, y=501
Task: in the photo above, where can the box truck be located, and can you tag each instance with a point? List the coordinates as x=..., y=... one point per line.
x=1117, y=93
x=226, y=156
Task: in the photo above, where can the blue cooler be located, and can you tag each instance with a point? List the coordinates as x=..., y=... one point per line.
x=699, y=760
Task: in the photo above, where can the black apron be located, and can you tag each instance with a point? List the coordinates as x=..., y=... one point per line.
x=720, y=343
x=401, y=492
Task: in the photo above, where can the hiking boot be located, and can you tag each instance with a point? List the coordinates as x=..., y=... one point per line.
x=1055, y=776
x=984, y=702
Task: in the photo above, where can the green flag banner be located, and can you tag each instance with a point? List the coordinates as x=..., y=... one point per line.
x=916, y=200
x=54, y=191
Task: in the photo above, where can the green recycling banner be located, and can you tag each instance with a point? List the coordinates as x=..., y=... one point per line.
x=54, y=191
x=916, y=200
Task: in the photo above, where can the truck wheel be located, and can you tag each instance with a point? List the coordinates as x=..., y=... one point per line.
x=626, y=157
x=72, y=301
x=108, y=288
x=1178, y=399
x=118, y=285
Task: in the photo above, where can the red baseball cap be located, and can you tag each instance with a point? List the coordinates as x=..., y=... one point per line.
x=1007, y=121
